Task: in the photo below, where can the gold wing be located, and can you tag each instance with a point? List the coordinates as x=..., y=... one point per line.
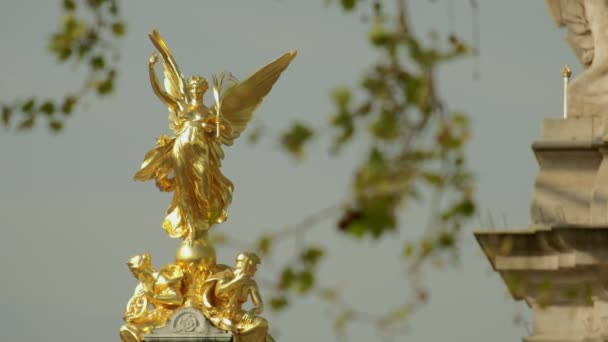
x=240, y=101
x=174, y=79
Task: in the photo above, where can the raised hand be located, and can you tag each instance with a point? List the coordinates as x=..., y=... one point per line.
x=154, y=58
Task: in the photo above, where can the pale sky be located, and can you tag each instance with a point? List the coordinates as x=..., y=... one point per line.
x=72, y=216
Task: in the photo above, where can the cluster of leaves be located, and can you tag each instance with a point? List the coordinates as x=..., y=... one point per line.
x=417, y=146
x=87, y=34
x=298, y=277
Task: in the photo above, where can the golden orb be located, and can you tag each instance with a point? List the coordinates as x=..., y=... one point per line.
x=198, y=254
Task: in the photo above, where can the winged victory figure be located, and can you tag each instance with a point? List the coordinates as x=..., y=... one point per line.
x=188, y=163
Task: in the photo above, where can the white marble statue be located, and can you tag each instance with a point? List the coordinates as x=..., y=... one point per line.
x=587, y=25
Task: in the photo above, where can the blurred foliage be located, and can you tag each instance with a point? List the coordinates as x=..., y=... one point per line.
x=416, y=153
x=87, y=35
x=295, y=138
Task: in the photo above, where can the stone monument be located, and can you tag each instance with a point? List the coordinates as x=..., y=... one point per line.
x=195, y=299
x=557, y=265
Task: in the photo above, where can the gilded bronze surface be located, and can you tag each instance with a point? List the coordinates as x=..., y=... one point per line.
x=188, y=164
x=194, y=153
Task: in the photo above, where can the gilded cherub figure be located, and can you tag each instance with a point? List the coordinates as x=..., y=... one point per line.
x=188, y=163
x=224, y=294
x=156, y=297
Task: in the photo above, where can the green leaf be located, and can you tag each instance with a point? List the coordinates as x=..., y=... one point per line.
x=311, y=256
x=433, y=178
x=376, y=159
x=55, y=126
x=105, y=87
x=68, y=105
x=378, y=35
x=305, y=281
x=412, y=86
x=287, y=278
x=341, y=97
x=69, y=5
x=460, y=119
x=279, y=303
x=95, y=3
x=463, y=208
x=6, y=115
x=446, y=240
x=264, y=244
x=113, y=8
x=28, y=106
x=27, y=124
x=446, y=139
x=119, y=29
x=98, y=62
x=386, y=127
x=73, y=29
x=65, y=53
x=48, y=108
x=344, y=122
x=294, y=139
x=83, y=49
x=466, y=207
x=376, y=218
x=358, y=229
x=348, y=5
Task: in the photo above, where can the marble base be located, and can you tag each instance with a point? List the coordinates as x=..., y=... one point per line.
x=560, y=272
x=188, y=325
x=559, y=264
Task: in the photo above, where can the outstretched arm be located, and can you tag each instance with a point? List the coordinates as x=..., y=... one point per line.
x=162, y=95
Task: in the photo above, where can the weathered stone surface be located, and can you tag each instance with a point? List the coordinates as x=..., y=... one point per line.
x=572, y=182
x=561, y=274
x=188, y=325
x=558, y=264
x=587, y=24
x=571, y=129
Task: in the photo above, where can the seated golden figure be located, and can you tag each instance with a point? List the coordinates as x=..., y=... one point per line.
x=224, y=294
x=156, y=297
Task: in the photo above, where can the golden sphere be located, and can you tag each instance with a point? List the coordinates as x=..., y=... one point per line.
x=199, y=255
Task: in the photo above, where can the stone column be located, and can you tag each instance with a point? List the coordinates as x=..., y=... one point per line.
x=558, y=264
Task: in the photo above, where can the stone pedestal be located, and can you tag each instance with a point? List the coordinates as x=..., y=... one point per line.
x=557, y=264
x=188, y=325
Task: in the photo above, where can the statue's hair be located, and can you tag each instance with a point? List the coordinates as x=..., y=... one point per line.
x=251, y=257
x=196, y=79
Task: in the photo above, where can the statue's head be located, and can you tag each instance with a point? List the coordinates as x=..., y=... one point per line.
x=197, y=86
x=140, y=264
x=247, y=262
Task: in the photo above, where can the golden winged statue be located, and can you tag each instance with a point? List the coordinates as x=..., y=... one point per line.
x=188, y=163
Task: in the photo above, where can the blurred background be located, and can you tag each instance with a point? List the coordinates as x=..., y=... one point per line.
x=72, y=215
